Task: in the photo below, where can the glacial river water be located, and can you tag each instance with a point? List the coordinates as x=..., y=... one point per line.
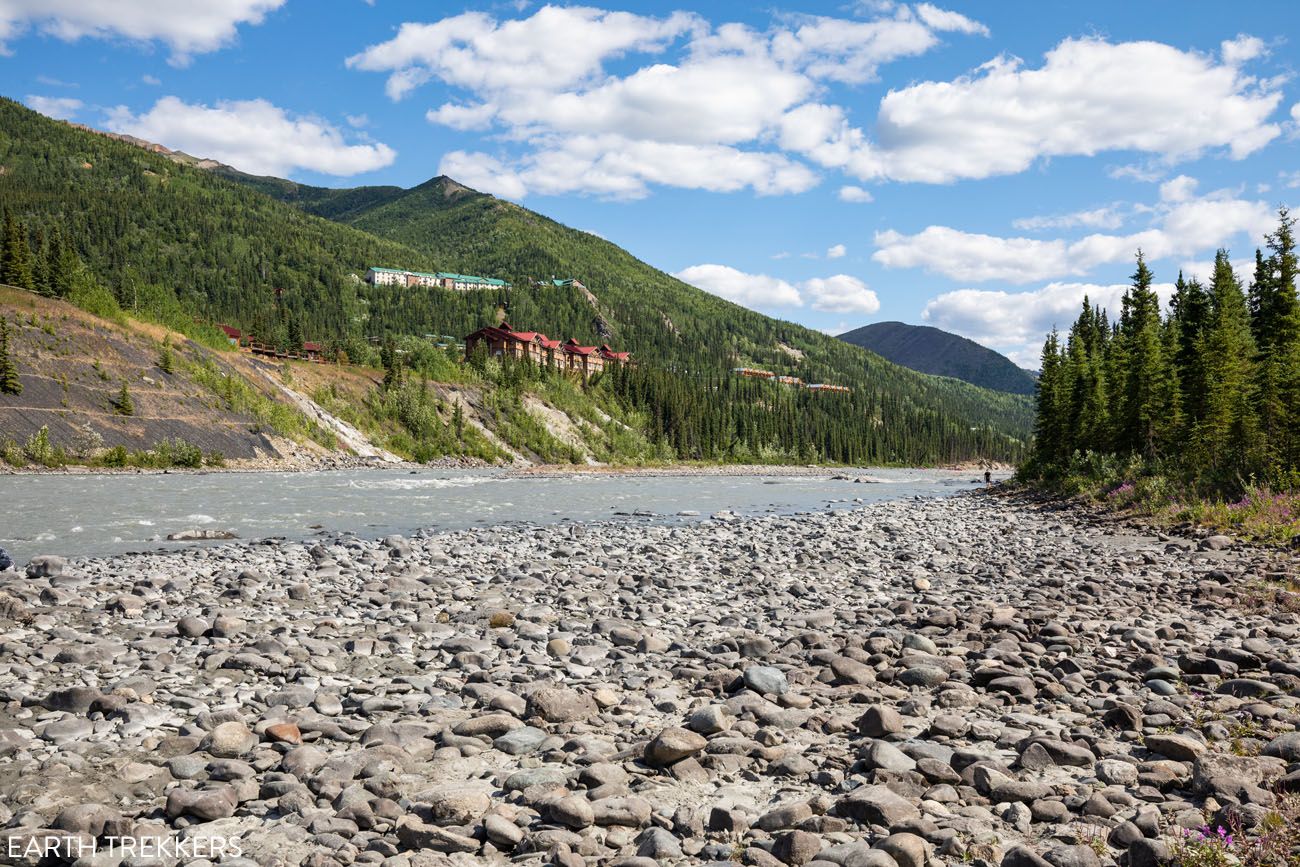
x=109, y=514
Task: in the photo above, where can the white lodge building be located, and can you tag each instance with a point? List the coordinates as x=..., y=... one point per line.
x=444, y=279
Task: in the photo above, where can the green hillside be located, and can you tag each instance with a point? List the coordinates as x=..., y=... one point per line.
x=180, y=242
x=931, y=350
x=636, y=305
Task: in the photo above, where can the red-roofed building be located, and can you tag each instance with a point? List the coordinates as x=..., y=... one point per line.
x=312, y=351
x=234, y=335
x=502, y=341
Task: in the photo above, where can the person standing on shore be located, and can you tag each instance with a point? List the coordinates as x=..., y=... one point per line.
x=988, y=477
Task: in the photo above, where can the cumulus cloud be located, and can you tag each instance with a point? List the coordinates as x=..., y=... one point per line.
x=706, y=118
x=850, y=193
x=1177, y=189
x=1242, y=49
x=1089, y=96
x=61, y=107
x=1108, y=217
x=187, y=27
x=750, y=290
x=835, y=252
x=1017, y=322
x=555, y=48
x=1181, y=228
x=852, y=51
x=251, y=135
x=619, y=168
x=840, y=293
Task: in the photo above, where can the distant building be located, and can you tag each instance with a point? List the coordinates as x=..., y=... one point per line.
x=234, y=335
x=569, y=356
x=385, y=277
x=312, y=351
x=570, y=282
x=468, y=282
x=443, y=279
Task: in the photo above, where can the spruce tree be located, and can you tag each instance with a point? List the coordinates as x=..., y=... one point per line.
x=17, y=259
x=1189, y=318
x=1227, y=434
x=1050, y=441
x=124, y=405
x=1276, y=327
x=1140, y=420
x=9, y=381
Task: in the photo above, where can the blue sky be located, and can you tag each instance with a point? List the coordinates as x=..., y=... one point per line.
x=974, y=166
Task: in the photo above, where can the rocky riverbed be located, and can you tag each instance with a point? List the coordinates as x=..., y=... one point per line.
x=964, y=680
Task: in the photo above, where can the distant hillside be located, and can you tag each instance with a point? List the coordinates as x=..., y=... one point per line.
x=941, y=353
x=176, y=239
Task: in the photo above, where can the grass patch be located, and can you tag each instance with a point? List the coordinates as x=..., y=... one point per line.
x=239, y=396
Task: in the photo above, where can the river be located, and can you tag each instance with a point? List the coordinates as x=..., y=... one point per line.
x=103, y=514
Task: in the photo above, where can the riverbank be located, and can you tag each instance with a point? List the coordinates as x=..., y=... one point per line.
x=832, y=471
x=964, y=679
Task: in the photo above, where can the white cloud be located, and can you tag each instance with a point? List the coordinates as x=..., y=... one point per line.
x=850, y=193
x=835, y=252
x=357, y=121
x=252, y=135
x=1295, y=112
x=463, y=117
x=840, y=293
x=1108, y=217
x=750, y=290
x=553, y=49
x=942, y=19
x=1088, y=96
x=618, y=168
x=1181, y=228
x=1290, y=179
x=151, y=80
x=187, y=27
x=851, y=51
x=61, y=107
x=1177, y=189
x=707, y=118
x=1242, y=49
x=1018, y=322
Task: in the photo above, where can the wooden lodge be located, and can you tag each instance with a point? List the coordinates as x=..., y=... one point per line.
x=310, y=350
x=502, y=341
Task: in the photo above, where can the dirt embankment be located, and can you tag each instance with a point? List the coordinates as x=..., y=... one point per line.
x=73, y=365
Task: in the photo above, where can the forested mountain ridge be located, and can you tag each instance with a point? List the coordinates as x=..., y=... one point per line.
x=637, y=306
x=172, y=241
x=941, y=353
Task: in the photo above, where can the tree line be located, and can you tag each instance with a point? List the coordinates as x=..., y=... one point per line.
x=1208, y=393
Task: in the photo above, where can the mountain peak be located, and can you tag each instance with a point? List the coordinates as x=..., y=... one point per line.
x=448, y=188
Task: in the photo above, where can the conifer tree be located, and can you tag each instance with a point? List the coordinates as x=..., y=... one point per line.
x=1050, y=445
x=1139, y=333
x=1189, y=317
x=17, y=256
x=124, y=405
x=1226, y=435
x=9, y=381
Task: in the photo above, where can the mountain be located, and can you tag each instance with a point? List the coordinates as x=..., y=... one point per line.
x=942, y=353
x=178, y=242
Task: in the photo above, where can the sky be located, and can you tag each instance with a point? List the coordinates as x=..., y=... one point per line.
x=978, y=167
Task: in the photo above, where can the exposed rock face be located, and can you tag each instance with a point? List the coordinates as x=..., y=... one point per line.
x=903, y=685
